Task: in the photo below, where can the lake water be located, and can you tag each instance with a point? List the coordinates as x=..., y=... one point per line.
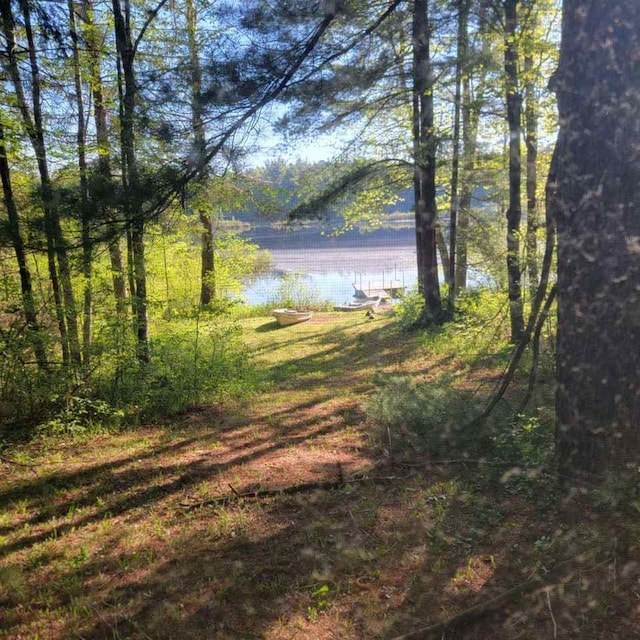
x=329, y=266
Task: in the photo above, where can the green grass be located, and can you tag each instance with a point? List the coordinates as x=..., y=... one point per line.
x=96, y=540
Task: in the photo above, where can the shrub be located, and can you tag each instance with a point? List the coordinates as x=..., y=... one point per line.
x=431, y=415
x=190, y=363
x=81, y=415
x=295, y=292
x=409, y=308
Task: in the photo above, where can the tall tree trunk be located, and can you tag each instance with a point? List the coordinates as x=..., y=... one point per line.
x=37, y=142
x=598, y=220
x=441, y=245
x=28, y=300
x=135, y=219
x=425, y=163
x=514, y=212
x=104, y=156
x=461, y=57
x=470, y=124
x=87, y=249
x=207, y=286
x=60, y=242
x=123, y=162
x=531, y=140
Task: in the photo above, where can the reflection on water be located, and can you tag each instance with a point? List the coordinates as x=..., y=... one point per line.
x=334, y=286
x=330, y=266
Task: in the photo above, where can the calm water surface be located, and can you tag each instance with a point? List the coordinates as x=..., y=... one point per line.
x=329, y=266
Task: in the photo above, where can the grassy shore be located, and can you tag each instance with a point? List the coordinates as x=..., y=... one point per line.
x=111, y=535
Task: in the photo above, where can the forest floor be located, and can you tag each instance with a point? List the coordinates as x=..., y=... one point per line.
x=112, y=537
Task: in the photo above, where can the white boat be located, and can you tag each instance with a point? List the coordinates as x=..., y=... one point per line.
x=356, y=306
x=286, y=317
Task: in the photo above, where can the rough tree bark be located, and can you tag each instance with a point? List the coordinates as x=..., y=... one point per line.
x=425, y=163
x=207, y=285
x=514, y=212
x=91, y=38
x=87, y=248
x=26, y=288
x=598, y=219
x=461, y=57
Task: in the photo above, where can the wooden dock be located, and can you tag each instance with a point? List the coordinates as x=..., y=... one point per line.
x=391, y=289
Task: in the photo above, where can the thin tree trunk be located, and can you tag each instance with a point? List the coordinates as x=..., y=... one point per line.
x=441, y=244
x=135, y=219
x=125, y=186
x=104, y=157
x=207, y=287
x=28, y=300
x=425, y=163
x=461, y=56
x=60, y=242
x=470, y=124
x=87, y=250
x=531, y=140
x=598, y=221
x=37, y=142
x=514, y=212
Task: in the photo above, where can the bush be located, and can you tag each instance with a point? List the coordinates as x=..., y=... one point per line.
x=295, y=292
x=432, y=416
x=81, y=415
x=409, y=308
x=190, y=363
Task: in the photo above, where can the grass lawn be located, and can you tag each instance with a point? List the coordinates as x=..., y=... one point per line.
x=100, y=537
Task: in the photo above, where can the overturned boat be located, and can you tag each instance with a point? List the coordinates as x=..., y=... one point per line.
x=286, y=317
x=371, y=303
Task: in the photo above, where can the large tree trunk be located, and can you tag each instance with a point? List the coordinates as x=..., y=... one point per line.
x=514, y=212
x=104, y=156
x=87, y=249
x=28, y=300
x=425, y=164
x=598, y=220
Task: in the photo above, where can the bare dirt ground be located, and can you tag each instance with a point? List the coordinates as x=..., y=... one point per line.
x=105, y=538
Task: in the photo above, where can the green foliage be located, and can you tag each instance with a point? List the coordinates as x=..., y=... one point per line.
x=408, y=310
x=81, y=415
x=526, y=440
x=295, y=292
x=430, y=416
x=190, y=363
x=173, y=265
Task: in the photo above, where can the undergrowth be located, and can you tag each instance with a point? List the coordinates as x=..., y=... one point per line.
x=193, y=361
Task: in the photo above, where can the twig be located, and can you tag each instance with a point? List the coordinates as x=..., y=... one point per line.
x=19, y=464
x=536, y=348
x=537, y=305
x=553, y=619
x=291, y=490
